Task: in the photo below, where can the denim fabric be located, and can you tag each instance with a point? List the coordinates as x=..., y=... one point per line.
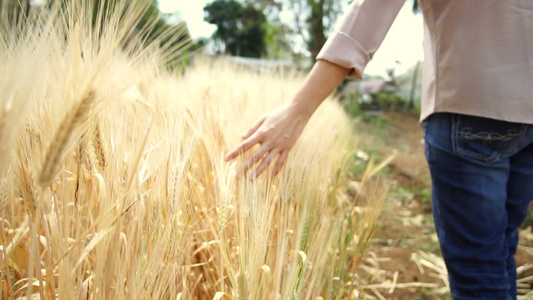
x=482, y=177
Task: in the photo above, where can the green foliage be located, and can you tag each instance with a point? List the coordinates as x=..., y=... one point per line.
x=390, y=101
x=277, y=34
x=416, y=6
x=319, y=17
x=316, y=27
x=312, y=21
x=155, y=30
x=277, y=43
x=150, y=28
x=352, y=105
x=386, y=101
x=363, y=110
x=240, y=29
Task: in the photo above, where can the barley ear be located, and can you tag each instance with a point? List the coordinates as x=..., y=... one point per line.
x=63, y=139
x=99, y=147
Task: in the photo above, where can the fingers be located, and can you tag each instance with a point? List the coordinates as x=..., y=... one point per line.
x=265, y=163
x=246, y=145
x=243, y=147
x=280, y=162
x=254, y=128
x=252, y=160
x=270, y=144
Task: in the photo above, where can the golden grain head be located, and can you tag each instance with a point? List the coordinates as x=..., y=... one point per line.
x=135, y=199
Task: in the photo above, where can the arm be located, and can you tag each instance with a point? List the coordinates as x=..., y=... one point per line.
x=278, y=130
x=346, y=53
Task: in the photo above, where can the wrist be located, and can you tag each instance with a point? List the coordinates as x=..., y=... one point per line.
x=303, y=105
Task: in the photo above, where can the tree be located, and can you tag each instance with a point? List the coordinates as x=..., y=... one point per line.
x=316, y=28
x=240, y=29
x=278, y=35
x=416, y=7
x=156, y=28
x=145, y=21
x=313, y=21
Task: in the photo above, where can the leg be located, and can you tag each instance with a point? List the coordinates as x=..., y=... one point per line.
x=470, y=175
x=519, y=194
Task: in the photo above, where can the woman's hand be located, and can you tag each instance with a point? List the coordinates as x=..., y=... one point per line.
x=276, y=133
x=278, y=130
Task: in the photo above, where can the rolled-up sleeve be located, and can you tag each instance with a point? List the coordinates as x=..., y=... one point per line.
x=360, y=33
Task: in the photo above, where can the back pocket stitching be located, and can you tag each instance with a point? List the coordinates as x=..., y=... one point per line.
x=487, y=138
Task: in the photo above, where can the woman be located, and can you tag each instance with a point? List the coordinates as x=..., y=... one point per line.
x=477, y=112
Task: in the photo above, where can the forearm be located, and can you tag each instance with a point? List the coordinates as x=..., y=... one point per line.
x=323, y=79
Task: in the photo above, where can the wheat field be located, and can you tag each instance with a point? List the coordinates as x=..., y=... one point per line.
x=114, y=186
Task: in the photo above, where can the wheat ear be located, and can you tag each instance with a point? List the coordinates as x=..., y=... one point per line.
x=60, y=144
x=99, y=146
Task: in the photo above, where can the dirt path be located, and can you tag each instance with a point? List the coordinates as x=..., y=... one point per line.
x=405, y=262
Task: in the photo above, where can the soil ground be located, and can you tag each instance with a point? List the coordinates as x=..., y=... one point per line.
x=405, y=261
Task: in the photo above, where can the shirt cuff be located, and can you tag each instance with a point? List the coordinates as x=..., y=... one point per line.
x=342, y=50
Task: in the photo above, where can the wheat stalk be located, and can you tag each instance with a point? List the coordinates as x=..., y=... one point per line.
x=74, y=121
x=146, y=206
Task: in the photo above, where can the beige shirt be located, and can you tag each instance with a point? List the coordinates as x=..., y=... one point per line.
x=478, y=53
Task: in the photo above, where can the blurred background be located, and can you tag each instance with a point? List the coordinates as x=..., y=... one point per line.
x=289, y=34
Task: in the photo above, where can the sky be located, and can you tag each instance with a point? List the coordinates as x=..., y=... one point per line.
x=400, y=50
x=192, y=12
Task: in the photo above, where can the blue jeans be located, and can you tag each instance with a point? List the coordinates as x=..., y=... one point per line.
x=482, y=180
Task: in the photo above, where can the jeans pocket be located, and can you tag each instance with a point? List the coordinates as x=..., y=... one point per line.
x=485, y=139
